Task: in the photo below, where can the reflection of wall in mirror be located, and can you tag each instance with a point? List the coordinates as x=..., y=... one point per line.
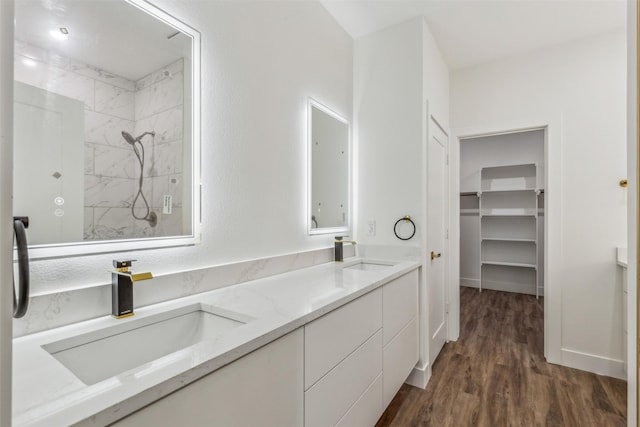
x=330, y=170
x=114, y=104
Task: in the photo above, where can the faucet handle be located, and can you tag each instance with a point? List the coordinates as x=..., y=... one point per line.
x=121, y=264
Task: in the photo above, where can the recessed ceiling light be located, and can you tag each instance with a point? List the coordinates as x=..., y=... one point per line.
x=59, y=34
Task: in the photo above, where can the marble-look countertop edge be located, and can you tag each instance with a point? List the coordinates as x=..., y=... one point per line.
x=146, y=397
x=85, y=416
x=621, y=257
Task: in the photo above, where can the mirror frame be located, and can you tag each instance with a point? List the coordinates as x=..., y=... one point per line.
x=312, y=103
x=121, y=245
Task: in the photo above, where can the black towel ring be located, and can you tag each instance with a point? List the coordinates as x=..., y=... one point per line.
x=408, y=219
x=21, y=301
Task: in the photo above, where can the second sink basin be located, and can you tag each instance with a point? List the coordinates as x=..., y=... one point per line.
x=101, y=354
x=369, y=265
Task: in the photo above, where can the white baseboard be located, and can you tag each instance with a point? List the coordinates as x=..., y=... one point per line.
x=592, y=363
x=500, y=286
x=469, y=283
x=419, y=376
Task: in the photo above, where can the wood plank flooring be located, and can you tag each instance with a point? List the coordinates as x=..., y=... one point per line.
x=496, y=375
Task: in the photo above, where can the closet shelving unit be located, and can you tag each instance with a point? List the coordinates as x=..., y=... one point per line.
x=508, y=214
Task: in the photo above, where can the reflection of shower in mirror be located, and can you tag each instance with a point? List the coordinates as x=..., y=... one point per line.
x=138, y=149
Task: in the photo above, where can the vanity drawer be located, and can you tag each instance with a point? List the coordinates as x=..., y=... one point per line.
x=367, y=410
x=331, y=398
x=400, y=304
x=399, y=358
x=331, y=338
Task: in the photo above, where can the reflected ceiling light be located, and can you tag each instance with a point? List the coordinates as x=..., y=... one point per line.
x=29, y=62
x=60, y=34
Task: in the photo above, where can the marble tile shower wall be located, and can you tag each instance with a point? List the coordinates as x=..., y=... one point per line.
x=159, y=108
x=111, y=168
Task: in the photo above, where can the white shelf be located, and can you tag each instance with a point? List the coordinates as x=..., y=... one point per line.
x=509, y=215
x=508, y=177
x=509, y=196
x=518, y=227
x=510, y=264
x=510, y=190
x=508, y=239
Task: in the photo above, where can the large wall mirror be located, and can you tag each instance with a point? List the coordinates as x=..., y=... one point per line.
x=106, y=126
x=329, y=151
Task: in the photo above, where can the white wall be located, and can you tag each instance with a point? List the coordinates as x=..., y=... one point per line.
x=580, y=88
x=260, y=63
x=396, y=71
x=435, y=74
x=632, y=210
x=388, y=119
x=499, y=150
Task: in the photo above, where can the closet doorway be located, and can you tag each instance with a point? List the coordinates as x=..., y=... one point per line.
x=502, y=212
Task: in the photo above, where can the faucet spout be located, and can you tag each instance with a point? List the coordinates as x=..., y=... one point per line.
x=338, y=253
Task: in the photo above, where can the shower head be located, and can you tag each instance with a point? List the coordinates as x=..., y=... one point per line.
x=127, y=137
x=131, y=140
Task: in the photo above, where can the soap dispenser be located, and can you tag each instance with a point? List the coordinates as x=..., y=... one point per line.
x=122, y=288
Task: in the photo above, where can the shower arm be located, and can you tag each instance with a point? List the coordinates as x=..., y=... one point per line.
x=145, y=134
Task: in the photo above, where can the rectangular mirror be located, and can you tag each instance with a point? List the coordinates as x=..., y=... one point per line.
x=106, y=126
x=329, y=148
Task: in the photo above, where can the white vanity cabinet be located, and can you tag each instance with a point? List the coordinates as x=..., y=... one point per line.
x=341, y=369
x=400, y=332
x=358, y=356
x=343, y=360
x=263, y=388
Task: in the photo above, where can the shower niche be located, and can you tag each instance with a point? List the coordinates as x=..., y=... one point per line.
x=106, y=130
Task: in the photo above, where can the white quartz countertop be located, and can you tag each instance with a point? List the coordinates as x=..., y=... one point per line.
x=45, y=393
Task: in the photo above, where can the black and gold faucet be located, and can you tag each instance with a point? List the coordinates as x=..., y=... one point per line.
x=338, y=246
x=122, y=288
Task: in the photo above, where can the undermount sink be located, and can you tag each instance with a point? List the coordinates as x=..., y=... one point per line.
x=369, y=265
x=101, y=354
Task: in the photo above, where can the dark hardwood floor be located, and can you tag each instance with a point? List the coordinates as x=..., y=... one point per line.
x=496, y=375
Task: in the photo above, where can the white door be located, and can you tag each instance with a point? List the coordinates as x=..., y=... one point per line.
x=436, y=237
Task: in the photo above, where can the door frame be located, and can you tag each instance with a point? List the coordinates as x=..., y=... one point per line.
x=6, y=208
x=553, y=248
x=447, y=224
x=421, y=373
x=633, y=212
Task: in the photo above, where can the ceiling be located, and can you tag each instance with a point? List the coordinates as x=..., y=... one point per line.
x=471, y=32
x=114, y=36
